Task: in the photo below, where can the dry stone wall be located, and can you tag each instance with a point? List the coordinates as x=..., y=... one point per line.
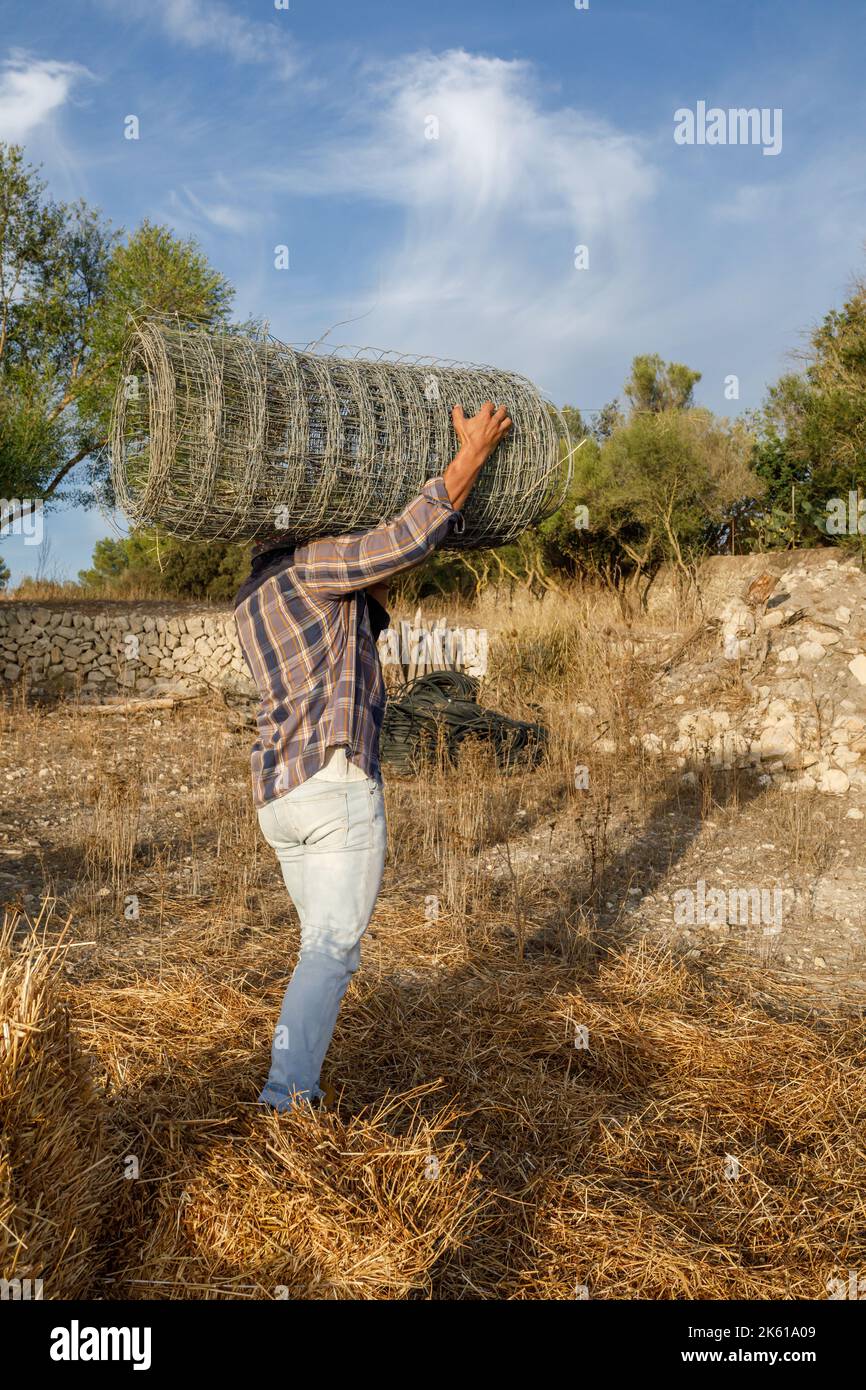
x=103, y=648
x=100, y=649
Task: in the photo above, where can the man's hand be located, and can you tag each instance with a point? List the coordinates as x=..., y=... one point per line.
x=481, y=433
x=478, y=436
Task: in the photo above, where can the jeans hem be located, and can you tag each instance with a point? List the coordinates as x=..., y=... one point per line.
x=280, y=1098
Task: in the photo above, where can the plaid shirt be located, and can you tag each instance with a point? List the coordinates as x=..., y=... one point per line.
x=305, y=633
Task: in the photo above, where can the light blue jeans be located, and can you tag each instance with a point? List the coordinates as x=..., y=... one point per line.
x=330, y=840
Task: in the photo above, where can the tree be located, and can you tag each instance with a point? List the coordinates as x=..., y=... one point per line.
x=608, y=419
x=68, y=284
x=812, y=430
x=672, y=478
x=655, y=385
x=153, y=272
x=146, y=562
x=660, y=484
x=53, y=261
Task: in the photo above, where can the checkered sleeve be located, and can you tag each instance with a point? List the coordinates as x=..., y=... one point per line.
x=339, y=565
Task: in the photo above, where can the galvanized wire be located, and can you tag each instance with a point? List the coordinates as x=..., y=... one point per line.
x=435, y=714
x=223, y=435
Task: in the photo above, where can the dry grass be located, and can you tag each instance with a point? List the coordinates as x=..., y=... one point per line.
x=133, y=586
x=532, y=1098
x=56, y=1171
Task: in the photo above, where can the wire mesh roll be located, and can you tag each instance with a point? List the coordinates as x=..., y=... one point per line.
x=227, y=436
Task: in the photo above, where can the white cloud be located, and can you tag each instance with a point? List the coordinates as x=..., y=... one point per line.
x=225, y=215
x=492, y=209
x=751, y=203
x=217, y=26
x=30, y=90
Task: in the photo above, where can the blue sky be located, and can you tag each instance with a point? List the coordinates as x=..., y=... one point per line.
x=310, y=127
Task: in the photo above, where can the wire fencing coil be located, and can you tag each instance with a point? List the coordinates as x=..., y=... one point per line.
x=228, y=436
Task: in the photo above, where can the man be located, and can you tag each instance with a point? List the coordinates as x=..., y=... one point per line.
x=307, y=619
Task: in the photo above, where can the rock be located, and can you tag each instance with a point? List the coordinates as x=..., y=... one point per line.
x=699, y=725
x=835, y=781
x=857, y=667
x=811, y=651
x=851, y=723
x=799, y=784
x=773, y=618
x=789, y=655
x=845, y=757
x=778, y=741
x=778, y=709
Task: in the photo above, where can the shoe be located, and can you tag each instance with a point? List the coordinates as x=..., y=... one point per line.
x=329, y=1100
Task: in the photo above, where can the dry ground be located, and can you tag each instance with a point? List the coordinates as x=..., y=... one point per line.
x=544, y=1087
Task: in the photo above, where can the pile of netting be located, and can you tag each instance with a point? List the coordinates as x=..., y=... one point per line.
x=432, y=716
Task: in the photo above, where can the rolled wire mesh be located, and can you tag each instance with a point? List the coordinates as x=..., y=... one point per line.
x=227, y=436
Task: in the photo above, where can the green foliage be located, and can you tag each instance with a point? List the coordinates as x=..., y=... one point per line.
x=67, y=285
x=674, y=475
x=32, y=443
x=144, y=562
x=812, y=432
x=656, y=386
x=53, y=260
x=659, y=485
x=153, y=272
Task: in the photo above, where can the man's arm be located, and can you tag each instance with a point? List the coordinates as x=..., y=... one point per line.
x=478, y=436
x=341, y=564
